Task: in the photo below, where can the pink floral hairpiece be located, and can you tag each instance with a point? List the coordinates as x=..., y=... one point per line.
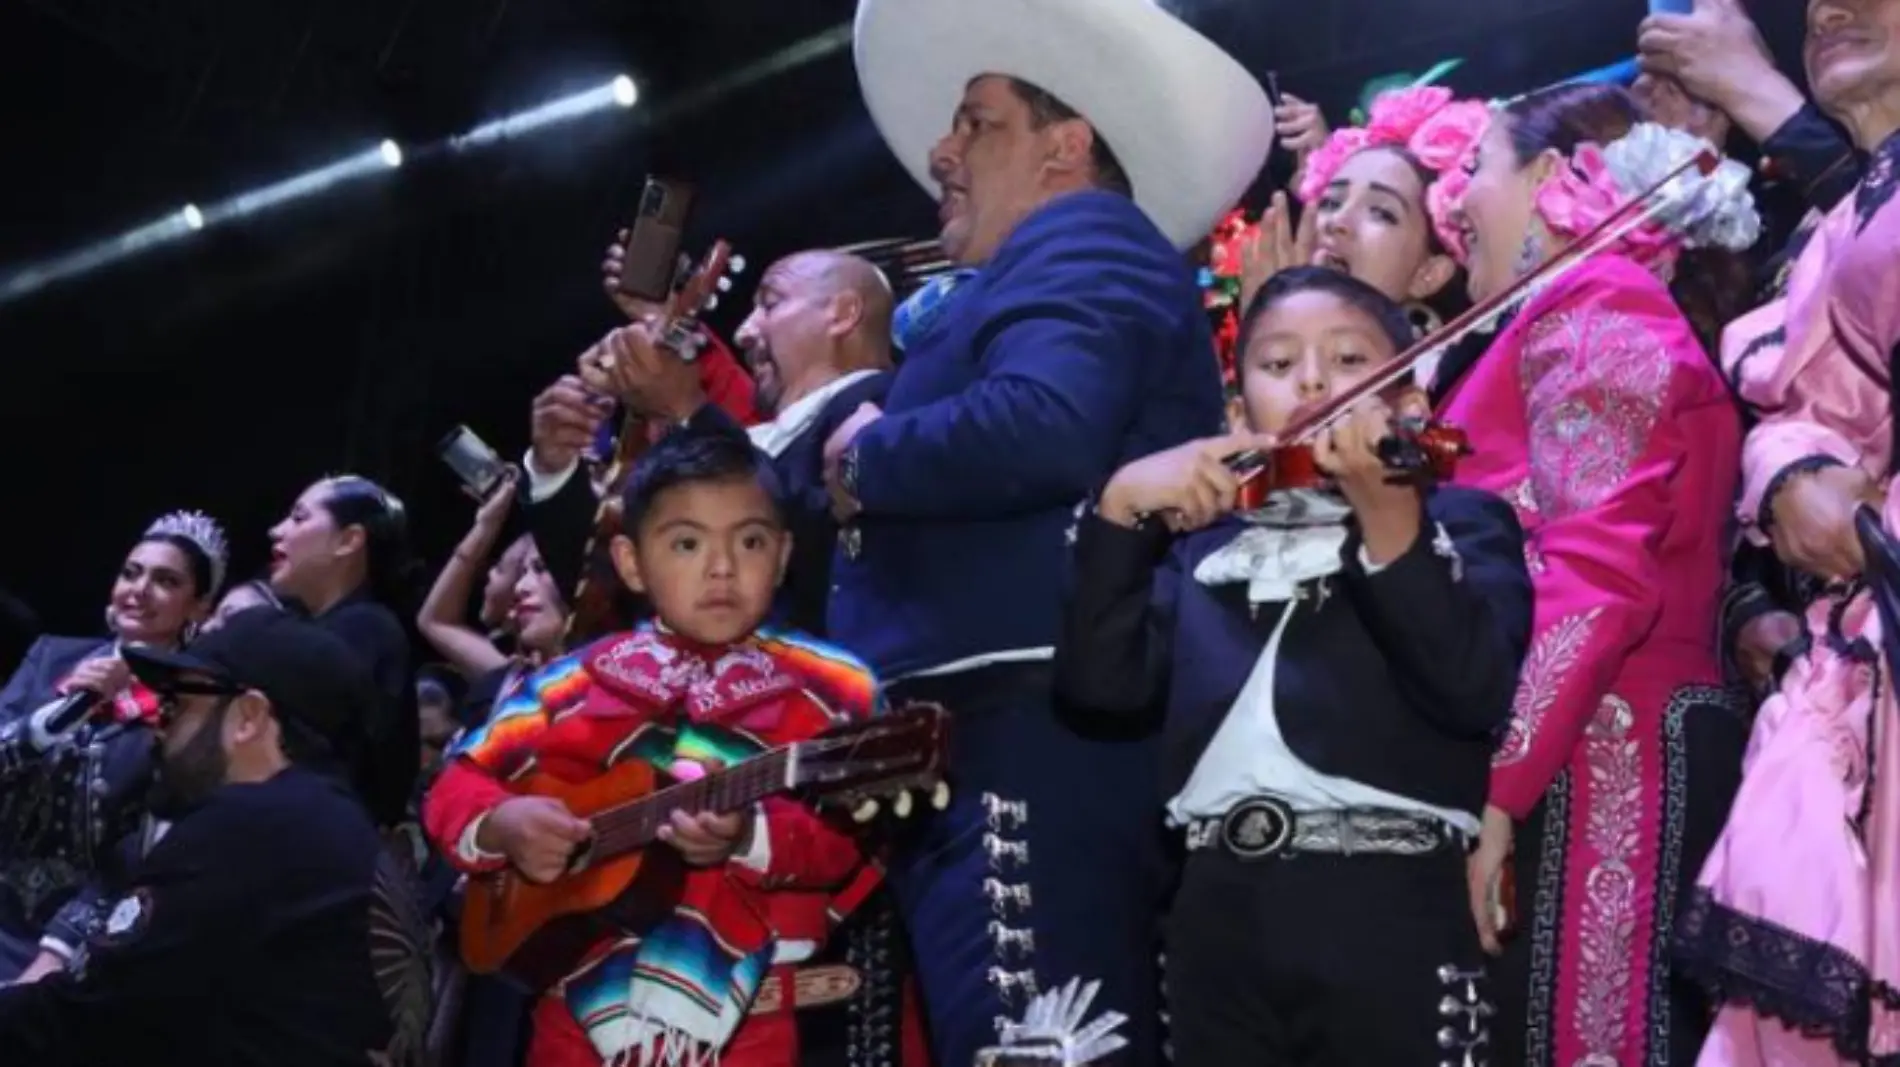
x=1698, y=210
x=1583, y=192
x=1441, y=133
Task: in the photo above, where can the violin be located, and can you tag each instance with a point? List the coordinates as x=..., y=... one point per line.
x=1417, y=452
x=1423, y=449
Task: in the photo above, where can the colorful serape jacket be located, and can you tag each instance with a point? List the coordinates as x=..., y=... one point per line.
x=654, y=696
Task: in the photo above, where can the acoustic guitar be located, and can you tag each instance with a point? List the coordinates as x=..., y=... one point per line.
x=536, y=934
x=596, y=599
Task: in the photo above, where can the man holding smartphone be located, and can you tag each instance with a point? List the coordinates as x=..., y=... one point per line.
x=1078, y=147
x=818, y=344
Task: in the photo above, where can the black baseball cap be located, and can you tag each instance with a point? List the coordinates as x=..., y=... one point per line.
x=310, y=675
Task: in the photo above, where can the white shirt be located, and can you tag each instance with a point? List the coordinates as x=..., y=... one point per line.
x=773, y=438
x=1249, y=756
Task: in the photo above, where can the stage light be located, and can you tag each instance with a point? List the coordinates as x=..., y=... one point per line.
x=391, y=153
x=621, y=93
x=37, y=276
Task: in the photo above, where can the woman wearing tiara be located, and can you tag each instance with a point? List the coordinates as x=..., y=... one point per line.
x=64, y=804
x=343, y=554
x=1598, y=414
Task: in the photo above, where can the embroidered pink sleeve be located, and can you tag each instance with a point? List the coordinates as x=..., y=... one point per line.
x=1598, y=370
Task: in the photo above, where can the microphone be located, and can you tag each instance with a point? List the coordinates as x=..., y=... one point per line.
x=23, y=741
x=53, y=721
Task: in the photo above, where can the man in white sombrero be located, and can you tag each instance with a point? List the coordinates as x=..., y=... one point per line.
x=1078, y=147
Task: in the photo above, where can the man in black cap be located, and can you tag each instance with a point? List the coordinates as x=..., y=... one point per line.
x=246, y=935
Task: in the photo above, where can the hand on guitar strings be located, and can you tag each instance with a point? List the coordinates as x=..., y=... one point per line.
x=707, y=839
x=631, y=365
x=537, y=834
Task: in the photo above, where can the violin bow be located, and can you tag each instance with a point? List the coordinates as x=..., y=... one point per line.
x=1639, y=210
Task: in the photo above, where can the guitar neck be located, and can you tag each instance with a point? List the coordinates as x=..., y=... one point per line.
x=637, y=823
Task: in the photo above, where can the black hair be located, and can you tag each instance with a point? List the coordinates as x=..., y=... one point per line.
x=692, y=454
x=1045, y=108
x=1381, y=308
x=356, y=501
x=198, y=560
x=1711, y=285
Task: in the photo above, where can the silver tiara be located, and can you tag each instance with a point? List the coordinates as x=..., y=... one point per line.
x=201, y=530
x=1053, y=1031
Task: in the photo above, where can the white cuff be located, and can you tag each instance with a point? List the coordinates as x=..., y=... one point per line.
x=758, y=854
x=59, y=948
x=468, y=851
x=542, y=485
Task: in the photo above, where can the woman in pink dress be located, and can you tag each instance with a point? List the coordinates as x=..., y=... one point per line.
x=1797, y=925
x=1599, y=415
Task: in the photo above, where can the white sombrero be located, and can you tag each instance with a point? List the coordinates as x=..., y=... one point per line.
x=1188, y=123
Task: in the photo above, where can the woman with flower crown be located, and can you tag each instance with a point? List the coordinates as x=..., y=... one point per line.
x=1596, y=411
x=1369, y=195
x=68, y=795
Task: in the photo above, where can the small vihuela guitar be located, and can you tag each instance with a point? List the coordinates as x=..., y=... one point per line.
x=537, y=933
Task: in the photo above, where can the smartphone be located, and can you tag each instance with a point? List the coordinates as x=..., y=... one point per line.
x=653, y=242
x=1273, y=90
x=1672, y=7
x=476, y=464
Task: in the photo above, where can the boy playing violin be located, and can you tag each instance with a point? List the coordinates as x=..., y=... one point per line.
x=702, y=686
x=1334, y=668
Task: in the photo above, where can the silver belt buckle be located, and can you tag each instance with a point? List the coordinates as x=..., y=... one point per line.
x=1257, y=828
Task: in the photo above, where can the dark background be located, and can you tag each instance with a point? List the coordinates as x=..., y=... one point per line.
x=350, y=330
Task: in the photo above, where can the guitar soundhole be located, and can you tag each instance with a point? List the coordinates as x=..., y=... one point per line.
x=582, y=858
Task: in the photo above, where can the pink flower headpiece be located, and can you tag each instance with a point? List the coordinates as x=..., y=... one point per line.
x=1439, y=132
x=1584, y=192
x=1694, y=210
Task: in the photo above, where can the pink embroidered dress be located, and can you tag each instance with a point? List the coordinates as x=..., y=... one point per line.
x=1602, y=420
x=1797, y=922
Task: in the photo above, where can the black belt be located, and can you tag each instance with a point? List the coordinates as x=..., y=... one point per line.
x=1267, y=826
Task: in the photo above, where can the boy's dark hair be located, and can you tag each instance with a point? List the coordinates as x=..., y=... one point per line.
x=1380, y=307
x=700, y=451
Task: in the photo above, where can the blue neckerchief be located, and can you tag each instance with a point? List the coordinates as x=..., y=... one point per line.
x=924, y=308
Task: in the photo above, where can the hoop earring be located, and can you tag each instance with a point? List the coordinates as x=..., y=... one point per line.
x=1424, y=320
x=1529, y=255
x=188, y=633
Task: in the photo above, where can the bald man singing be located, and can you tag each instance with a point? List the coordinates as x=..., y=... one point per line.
x=818, y=344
